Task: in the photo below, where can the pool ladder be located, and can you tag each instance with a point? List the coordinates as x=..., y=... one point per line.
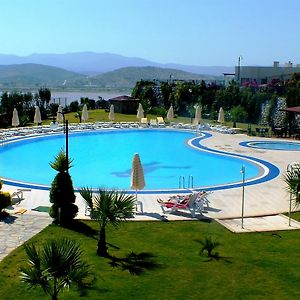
x=190, y=183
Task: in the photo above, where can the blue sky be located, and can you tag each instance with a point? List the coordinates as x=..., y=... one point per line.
x=195, y=32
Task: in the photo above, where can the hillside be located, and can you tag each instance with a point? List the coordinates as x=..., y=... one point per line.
x=35, y=75
x=127, y=77
x=91, y=63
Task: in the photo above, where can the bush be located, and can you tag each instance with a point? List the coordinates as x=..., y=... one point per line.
x=158, y=111
x=74, y=106
x=5, y=200
x=62, y=192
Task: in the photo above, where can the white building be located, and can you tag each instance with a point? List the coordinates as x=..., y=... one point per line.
x=264, y=75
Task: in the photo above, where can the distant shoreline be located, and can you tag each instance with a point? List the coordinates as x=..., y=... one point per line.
x=65, y=97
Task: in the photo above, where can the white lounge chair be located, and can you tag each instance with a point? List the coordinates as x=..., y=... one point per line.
x=153, y=123
x=161, y=122
x=144, y=122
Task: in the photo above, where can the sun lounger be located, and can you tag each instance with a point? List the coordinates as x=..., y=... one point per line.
x=153, y=123
x=161, y=122
x=144, y=122
x=187, y=203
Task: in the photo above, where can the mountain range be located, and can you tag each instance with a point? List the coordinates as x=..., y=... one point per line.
x=93, y=70
x=23, y=76
x=90, y=63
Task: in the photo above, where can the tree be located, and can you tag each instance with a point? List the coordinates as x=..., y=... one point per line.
x=45, y=96
x=108, y=207
x=63, y=210
x=208, y=246
x=292, y=179
x=238, y=114
x=57, y=266
x=5, y=201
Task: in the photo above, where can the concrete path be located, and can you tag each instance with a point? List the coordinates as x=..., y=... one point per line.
x=17, y=229
x=259, y=224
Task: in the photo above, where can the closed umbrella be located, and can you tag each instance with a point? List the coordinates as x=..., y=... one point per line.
x=111, y=114
x=37, y=116
x=170, y=114
x=137, y=174
x=15, y=118
x=140, y=112
x=85, y=114
x=59, y=114
x=221, y=117
x=198, y=114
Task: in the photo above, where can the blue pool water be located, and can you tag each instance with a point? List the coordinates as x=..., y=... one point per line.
x=273, y=145
x=103, y=159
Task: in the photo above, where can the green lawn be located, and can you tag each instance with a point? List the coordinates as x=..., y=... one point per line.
x=252, y=266
x=100, y=115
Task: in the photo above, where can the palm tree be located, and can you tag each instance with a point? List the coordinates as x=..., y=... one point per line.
x=208, y=245
x=56, y=266
x=292, y=179
x=108, y=207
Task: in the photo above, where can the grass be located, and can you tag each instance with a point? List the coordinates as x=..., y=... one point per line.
x=252, y=266
x=100, y=115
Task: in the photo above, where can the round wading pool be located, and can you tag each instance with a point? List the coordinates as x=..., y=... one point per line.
x=273, y=145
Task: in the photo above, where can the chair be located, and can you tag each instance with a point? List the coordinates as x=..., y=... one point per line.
x=189, y=203
x=153, y=123
x=160, y=122
x=17, y=197
x=144, y=122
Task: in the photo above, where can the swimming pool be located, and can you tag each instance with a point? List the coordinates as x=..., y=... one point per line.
x=273, y=145
x=103, y=159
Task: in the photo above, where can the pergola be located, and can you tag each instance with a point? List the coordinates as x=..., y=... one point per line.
x=296, y=110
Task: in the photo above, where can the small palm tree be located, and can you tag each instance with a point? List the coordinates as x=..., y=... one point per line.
x=56, y=266
x=292, y=179
x=208, y=245
x=108, y=207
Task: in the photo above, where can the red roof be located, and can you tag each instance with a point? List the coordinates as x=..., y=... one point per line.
x=295, y=109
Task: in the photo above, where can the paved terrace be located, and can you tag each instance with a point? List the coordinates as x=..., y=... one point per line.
x=261, y=200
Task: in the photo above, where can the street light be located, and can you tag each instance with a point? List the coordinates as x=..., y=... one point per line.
x=66, y=132
x=243, y=193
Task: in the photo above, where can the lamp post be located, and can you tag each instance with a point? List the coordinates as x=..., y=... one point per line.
x=66, y=132
x=243, y=194
x=239, y=69
x=67, y=141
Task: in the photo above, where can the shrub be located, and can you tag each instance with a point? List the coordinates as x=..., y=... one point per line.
x=62, y=192
x=5, y=200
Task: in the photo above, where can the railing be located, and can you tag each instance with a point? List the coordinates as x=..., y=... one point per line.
x=190, y=183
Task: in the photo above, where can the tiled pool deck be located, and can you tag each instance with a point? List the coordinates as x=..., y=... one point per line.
x=261, y=200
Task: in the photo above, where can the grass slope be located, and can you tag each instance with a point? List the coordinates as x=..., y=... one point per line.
x=252, y=266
